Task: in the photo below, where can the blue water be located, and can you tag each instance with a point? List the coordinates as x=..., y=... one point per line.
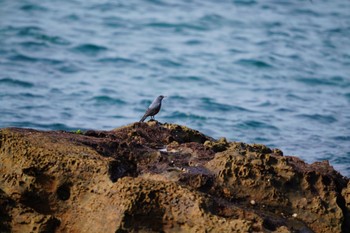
x=275, y=72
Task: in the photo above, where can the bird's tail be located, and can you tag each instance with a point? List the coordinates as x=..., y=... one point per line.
x=143, y=118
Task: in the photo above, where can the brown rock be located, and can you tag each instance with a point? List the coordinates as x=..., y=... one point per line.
x=152, y=177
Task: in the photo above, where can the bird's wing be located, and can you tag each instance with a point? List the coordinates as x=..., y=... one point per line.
x=154, y=104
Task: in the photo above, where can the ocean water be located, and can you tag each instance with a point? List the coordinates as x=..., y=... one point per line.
x=275, y=72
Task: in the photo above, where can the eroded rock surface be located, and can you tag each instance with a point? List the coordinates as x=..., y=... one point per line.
x=152, y=177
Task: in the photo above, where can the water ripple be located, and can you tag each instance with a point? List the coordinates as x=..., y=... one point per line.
x=90, y=49
x=253, y=63
x=169, y=63
x=177, y=26
x=15, y=82
x=31, y=59
x=258, y=125
x=332, y=81
x=210, y=105
x=35, y=32
x=323, y=119
x=182, y=115
x=106, y=100
x=116, y=60
x=33, y=8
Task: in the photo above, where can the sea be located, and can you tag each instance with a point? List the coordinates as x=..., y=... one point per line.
x=274, y=72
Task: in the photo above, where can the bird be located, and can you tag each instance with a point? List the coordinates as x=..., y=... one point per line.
x=154, y=108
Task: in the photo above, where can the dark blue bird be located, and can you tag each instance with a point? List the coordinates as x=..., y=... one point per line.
x=154, y=108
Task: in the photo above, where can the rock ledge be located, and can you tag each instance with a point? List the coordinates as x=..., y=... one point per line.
x=152, y=177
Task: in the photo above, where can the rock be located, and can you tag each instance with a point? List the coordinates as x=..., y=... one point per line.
x=152, y=177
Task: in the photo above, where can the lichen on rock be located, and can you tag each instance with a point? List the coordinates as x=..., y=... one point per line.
x=153, y=177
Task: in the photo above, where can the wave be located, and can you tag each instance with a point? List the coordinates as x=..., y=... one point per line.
x=210, y=105
x=187, y=78
x=253, y=63
x=15, y=82
x=347, y=95
x=326, y=81
x=168, y=63
x=253, y=124
x=342, y=138
x=244, y=2
x=181, y=115
x=33, y=8
x=89, y=49
x=33, y=44
x=116, y=60
x=177, y=26
x=31, y=59
x=34, y=32
x=324, y=119
x=104, y=99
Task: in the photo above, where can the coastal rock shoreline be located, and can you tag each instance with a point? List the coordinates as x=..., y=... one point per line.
x=153, y=177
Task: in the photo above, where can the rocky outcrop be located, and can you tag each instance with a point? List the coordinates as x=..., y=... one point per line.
x=152, y=177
